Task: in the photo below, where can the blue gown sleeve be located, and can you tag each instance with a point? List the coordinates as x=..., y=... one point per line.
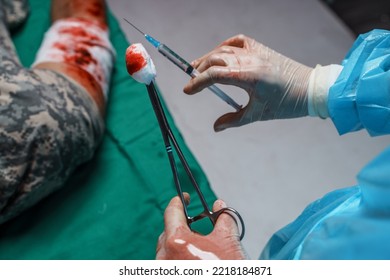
x=360, y=98
x=350, y=223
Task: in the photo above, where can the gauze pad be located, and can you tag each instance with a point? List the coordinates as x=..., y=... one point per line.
x=81, y=43
x=139, y=64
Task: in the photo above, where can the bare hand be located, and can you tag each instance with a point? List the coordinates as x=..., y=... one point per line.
x=178, y=242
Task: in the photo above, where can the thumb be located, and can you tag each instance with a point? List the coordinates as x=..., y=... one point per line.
x=174, y=215
x=226, y=222
x=229, y=120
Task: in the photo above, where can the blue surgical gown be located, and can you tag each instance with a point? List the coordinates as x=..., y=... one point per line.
x=354, y=222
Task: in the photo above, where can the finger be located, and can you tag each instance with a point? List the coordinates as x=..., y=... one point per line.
x=160, y=250
x=174, y=215
x=215, y=59
x=218, y=56
x=225, y=221
x=238, y=41
x=232, y=61
x=229, y=120
x=218, y=205
x=187, y=198
x=217, y=50
x=228, y=46
x=215, y=74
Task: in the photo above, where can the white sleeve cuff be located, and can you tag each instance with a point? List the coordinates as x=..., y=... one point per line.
x=321, y=79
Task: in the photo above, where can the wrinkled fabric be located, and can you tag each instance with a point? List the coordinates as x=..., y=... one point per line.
x=13, y=12
x=354, y=222
x=360, y=98
x=48, y=126
x=350, y=223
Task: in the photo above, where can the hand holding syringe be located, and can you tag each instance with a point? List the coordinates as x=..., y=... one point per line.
x=185, y=66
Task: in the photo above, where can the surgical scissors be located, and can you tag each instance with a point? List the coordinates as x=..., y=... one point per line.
x=169, y=141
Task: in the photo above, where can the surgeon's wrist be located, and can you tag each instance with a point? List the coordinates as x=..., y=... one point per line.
x=321, y=79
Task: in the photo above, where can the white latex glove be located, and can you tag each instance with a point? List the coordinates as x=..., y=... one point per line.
x=277, y=85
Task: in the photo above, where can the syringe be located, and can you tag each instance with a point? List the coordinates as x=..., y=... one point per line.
x=185, y=66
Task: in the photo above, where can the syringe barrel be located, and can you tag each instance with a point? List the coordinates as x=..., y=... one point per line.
x=175, y=58
x=221, y=94
x=186, y=67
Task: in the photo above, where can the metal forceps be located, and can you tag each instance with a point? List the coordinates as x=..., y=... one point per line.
x=169, y=139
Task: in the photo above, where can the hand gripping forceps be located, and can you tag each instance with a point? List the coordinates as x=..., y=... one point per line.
x=169, y=139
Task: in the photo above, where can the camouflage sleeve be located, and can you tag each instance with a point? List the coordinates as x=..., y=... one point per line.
x=48, y=126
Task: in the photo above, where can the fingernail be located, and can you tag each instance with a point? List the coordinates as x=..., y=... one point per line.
x=219, y=128
x=187, y=90
x=187, y=198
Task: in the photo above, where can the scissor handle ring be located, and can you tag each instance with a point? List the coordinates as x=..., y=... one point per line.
x=213, y=216
x=233, y=213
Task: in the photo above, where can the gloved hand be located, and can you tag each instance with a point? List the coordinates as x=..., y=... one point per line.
x=277, y=85
x=178, y=242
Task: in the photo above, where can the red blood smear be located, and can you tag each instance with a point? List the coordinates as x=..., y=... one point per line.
x=77, y=54
x=96, y=9
x=76, y=49
x=81, y=56
x=90, y=22
x=79, y=32
x=92, y=9
x=88, y=82
x=135, y=61
x=60, y=46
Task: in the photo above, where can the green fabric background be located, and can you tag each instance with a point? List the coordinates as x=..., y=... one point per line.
x=112, y=207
